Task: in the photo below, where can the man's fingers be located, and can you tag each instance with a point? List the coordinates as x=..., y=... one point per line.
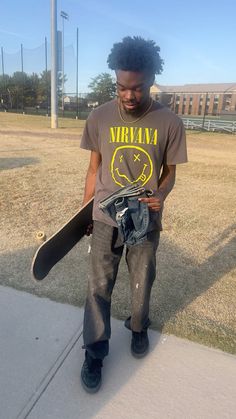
x=154, y=207
x=147, y=199
x=154, y=203
x=151, y=201
x=89, y=229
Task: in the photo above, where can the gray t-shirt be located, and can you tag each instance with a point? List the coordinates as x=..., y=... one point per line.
x=132, y=152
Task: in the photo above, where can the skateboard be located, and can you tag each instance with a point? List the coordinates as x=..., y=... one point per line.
x=58, y=245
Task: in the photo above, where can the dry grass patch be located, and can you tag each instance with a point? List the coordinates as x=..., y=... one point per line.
x=42, y=178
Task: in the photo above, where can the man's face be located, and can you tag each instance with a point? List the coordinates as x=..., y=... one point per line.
x=133, y=89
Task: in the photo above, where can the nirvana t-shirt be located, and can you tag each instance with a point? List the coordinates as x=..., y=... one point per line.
x=132, y=151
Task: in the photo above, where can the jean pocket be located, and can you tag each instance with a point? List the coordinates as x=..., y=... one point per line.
x=140, y=215
x=125, y=224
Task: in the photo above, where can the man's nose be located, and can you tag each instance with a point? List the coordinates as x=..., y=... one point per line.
x=129, y=94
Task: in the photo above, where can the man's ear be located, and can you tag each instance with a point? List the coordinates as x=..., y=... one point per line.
x=152, y=79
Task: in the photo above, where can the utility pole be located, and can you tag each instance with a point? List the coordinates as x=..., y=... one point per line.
x=77, y=71
x=54, y=52
x=64, y=17
x=23, y=77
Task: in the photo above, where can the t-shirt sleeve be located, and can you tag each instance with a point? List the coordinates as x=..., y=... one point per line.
x=89, y=140
x=176, y=149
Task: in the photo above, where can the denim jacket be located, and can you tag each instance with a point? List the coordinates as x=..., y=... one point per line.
x=131, y=215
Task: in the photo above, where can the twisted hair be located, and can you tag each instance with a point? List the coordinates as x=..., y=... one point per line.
x=136, y=54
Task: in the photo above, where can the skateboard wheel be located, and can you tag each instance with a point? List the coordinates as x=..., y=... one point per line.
x=41, y=236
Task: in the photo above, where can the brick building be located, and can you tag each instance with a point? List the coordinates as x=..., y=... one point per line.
x=198, y=99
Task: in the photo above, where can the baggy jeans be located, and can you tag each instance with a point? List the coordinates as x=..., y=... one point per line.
x=106, y=252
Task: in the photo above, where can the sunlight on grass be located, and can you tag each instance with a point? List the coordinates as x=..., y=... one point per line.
x=14, y=120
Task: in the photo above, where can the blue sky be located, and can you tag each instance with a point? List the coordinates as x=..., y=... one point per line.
x=197, y=38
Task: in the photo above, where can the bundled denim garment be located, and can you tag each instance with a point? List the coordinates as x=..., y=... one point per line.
x=131, y=215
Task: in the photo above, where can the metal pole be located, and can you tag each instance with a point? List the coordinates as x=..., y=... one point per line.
x=64, y=16
x=54, y=52
x=3, y=72
x=46, y=74
x=3, y=78
x=23, y=78
x=204, y=115
x=62, y=59
x=77, y=72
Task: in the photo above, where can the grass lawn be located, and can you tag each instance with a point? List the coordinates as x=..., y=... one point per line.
x=30, y=122
x=42, y=179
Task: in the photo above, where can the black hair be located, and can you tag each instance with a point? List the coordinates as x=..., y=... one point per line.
x=136, y=54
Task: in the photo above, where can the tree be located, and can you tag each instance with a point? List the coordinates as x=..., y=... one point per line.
x=44, y=89
x=31, y=85
x=21, y=90
x=16, y=89
x=102, y=88
x=4, y=82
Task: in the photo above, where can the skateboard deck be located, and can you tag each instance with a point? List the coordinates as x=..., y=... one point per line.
x=58, y=245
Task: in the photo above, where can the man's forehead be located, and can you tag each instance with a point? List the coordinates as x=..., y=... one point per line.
x=131, y=78
x=135, y=86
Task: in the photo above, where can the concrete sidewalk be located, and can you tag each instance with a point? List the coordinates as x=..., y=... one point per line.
x=41, y=357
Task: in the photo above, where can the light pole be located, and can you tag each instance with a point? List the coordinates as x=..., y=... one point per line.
x=64, y=17
x=54, y=52
x=77, y=71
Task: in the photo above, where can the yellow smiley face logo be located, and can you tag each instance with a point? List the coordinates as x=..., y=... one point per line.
x=131, y=164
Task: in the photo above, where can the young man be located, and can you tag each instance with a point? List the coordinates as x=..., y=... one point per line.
x=132, y=139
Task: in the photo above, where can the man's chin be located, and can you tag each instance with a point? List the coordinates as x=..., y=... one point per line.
x=131, y=109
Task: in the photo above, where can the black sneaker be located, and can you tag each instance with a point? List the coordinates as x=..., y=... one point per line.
x=139, y=344
x=91, y=374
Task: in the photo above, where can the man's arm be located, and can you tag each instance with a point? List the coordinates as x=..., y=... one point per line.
x=89, y=190
x=165, y=185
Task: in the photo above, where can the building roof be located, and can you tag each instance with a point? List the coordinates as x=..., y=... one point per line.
x=195, y=88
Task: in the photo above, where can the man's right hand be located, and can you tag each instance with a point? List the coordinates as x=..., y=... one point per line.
x=89, y=230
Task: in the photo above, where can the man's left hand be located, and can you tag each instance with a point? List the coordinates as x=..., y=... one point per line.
x=155, y=203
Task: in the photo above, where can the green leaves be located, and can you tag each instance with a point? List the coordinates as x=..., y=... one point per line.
x=102, y=88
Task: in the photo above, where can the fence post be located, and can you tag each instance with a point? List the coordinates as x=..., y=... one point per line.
x=204, y=115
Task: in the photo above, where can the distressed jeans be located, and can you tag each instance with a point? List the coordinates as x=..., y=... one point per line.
x=106, y=253
x=131, y=215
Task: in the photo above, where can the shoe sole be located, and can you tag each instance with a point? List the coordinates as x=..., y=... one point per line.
x=89, y=389
x=139, y=355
